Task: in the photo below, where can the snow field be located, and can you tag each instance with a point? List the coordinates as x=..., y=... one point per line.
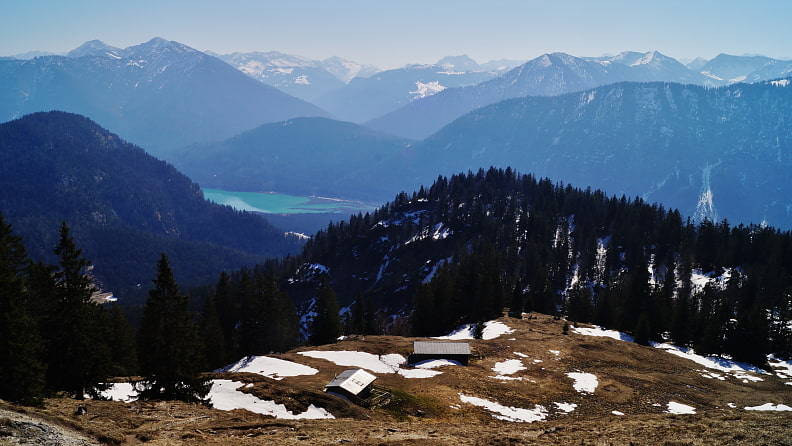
x=507, y=413
x=492, y=330
x=225, y=396
x=739, y=370
x=391, y=363
x=771, y=407
x=270, y=367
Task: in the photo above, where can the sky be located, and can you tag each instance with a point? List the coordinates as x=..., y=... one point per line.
x=394, y=33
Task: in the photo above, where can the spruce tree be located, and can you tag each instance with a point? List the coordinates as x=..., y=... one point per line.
x=168, y=345
x=79, y=357
x=21, y=366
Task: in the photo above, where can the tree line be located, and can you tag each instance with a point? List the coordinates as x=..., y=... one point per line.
x=514, y=241
x=55, y=340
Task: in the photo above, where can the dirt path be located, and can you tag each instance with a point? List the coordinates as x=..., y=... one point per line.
x=21, y=429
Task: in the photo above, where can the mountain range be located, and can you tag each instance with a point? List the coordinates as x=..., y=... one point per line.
x=365, y=98
x=123, y=206
x=710, y=152
x=547, y=75
x=160, y=94
x=298, y=76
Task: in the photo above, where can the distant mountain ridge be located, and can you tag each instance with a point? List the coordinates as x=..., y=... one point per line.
x=298, y=76
x=160, y=94
x=302, y=156
x=547, y=75
x=714, y=153
x=124, y=206
x=366, y=98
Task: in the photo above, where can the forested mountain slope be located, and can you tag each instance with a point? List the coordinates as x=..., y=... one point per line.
x=466, y=247
x=715, y=153
x=124, y=206
x=303, y=156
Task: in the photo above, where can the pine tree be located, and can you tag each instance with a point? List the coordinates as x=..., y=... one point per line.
x=79, y=357
x=169, y=349
x=326, y=325
x=21, y=366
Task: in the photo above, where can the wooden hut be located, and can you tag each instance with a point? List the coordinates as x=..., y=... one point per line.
x=454, y=351
x=354, y=384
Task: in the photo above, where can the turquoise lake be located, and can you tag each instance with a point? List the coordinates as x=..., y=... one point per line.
x=273, y=203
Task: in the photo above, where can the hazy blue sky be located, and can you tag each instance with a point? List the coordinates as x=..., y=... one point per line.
x=396, y=32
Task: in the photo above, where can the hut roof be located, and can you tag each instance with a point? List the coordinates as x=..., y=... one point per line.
x=353, y=381
x=441, y=348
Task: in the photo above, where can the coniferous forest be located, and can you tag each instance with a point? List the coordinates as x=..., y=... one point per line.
x=462, y=250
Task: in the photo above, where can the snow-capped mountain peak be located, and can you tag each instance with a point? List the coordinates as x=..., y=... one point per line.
x=94, y=48
x=459, y=63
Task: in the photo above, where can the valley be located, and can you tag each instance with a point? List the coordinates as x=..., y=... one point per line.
x=275, y=203
x=573, y=242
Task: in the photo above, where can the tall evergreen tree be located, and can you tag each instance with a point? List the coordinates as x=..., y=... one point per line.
x=79, y=357
x=21, y=366
x=169, y=349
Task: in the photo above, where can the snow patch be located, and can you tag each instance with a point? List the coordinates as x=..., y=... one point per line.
x=507, y=413
x=584, y=382
x=120, y=392
x=423, y=90
x=492, y=330
x=680, y=409
x=270, y=367
x=771, y=407
x=508, y=367
x=362, y=360
x=566, y=407
x=599, y=331
x=225, y=396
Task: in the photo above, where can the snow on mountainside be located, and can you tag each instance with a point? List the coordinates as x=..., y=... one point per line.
x=94, y=48
x=547, y=75
x=299, y=76
x=365, y=98
x=160, y=94
x=714, y=153
x=726, y=68
x=590, y=371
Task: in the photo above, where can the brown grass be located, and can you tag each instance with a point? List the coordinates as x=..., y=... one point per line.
x=638, y=381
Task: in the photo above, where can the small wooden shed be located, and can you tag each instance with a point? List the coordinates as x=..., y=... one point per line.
x=454, y=351
x=354, y=384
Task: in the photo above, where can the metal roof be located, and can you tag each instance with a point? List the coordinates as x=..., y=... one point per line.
x=441, y=348
x=353, y=381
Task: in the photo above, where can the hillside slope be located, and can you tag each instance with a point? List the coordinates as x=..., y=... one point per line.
x=303, y=156
x=528, y=384
x=161, y=95
x=124, y=207
x=714, y=153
